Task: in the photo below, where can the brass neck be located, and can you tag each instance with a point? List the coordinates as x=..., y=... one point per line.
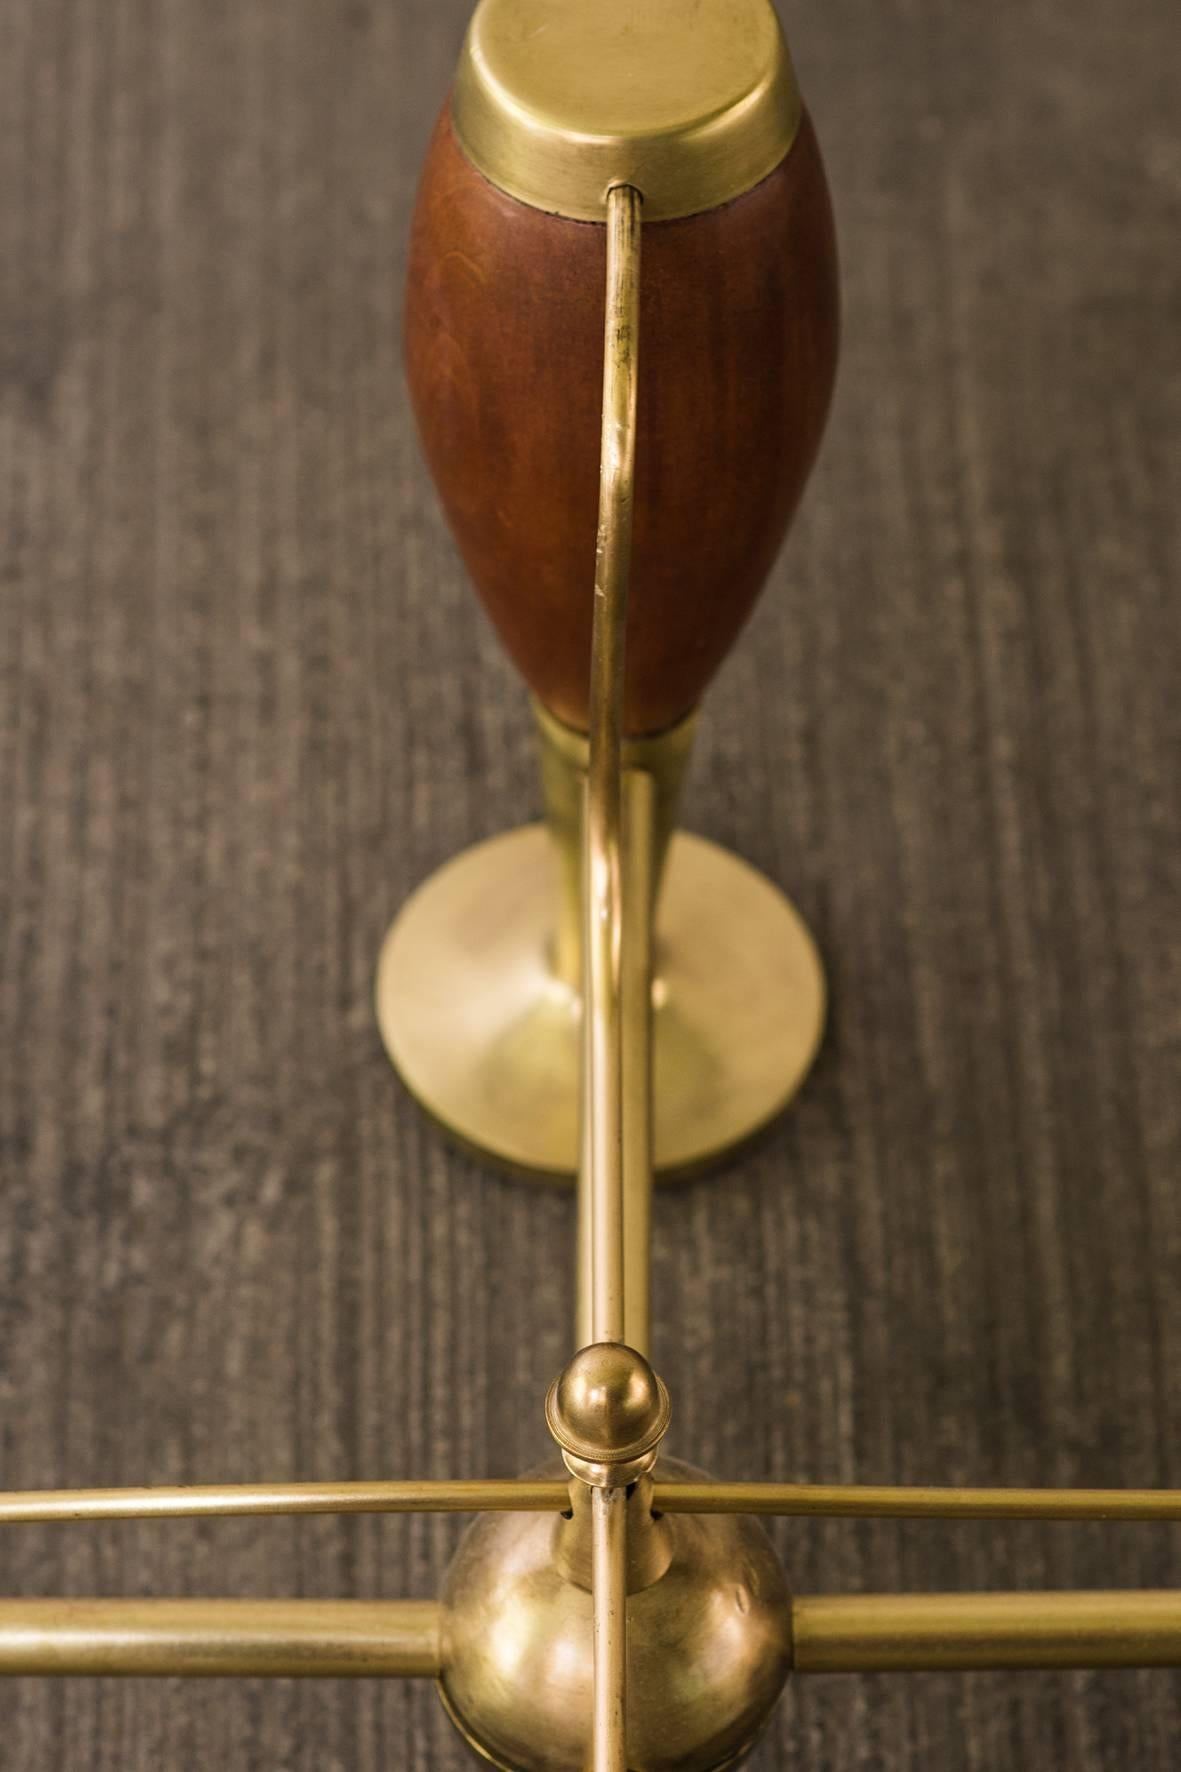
x=650, y=1541
x=564, y=755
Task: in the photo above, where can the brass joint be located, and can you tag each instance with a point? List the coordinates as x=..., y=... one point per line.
x=650, y=1538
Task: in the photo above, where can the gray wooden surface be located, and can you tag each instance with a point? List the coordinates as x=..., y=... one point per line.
x=247, y=701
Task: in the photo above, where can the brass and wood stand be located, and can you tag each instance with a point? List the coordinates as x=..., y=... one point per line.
x=546, y=998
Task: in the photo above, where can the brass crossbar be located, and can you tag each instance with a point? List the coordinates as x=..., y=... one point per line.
x=858, y=1501
x=363, y=1639
x=796, y=1500
x=914, y=1633
x=282, y=1639
x=36, y=1507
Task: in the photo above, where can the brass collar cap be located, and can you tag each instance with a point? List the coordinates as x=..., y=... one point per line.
x=691, y=101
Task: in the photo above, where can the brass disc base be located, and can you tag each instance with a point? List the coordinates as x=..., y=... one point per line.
x=488, y=1039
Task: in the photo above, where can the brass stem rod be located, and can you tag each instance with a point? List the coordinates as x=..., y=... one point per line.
x=865, y=1633
x=609, y=1586
x=613, y=1041
x=35, y=1507
x=639, y=860
x=283, y=1639
x=639, y=806
x=603, y=909
x=864, y=1501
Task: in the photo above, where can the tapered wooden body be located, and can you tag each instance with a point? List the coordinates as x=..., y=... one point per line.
x=504, y=345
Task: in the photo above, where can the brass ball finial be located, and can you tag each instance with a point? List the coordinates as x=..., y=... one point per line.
x=608, y=1412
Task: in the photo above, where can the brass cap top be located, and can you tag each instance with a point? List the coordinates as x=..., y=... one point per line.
x=608, y=1406
x=691, y=101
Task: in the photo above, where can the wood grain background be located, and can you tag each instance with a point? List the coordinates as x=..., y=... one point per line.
x=247, y=701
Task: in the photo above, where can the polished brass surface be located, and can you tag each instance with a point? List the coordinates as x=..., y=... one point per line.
x=280, y=1639
x=637, y=861
x=639, y=838
x=916, y=1632
x=692, y=102
x=341, y=1639
x=609, y=1629
x=661, y=759
x=650, y=1539
x=603, y=929
x=29, y=1507
x=798, y=1500
x=608, y=1412
x=479, y=995
x=487, y=1037
x=708, y=1642
x=864, y=1501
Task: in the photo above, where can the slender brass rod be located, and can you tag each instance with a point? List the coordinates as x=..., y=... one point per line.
x=602, y=901
x=609, y=1567
x=46, y=1506
x=285, y=1639
x=801, y=1500
x=864, y=1633
x=639, y=809
x=639, y=820
x=857, y=1501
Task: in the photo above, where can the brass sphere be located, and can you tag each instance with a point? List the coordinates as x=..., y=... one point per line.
x=708, y=1642
x=608, y=1406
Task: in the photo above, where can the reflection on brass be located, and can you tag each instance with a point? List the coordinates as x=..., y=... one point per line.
x=609, y=1629
x=661, y=760
x=797, y=1500
x=354, y=1639
x=608, y=1412
x=650, y=1538
x=916, y=1632
x=601, y=1171
x=639, y=847
x=548, y=106
x=243, y=1499
x=276, y=1639
x=853, y=1501
x=486, y=1034
x=707, y=1640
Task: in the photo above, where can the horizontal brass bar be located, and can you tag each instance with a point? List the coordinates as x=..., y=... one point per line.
x=802, y=1500
x=44, y=1506
x=283, y=1639
x=870, y=1633
x=863, y=1501
x=343, y=1639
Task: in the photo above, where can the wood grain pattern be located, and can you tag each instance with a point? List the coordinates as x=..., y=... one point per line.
x=504, y=358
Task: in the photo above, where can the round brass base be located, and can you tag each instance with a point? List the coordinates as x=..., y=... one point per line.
x=708, y=1639
x=488, y=1039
